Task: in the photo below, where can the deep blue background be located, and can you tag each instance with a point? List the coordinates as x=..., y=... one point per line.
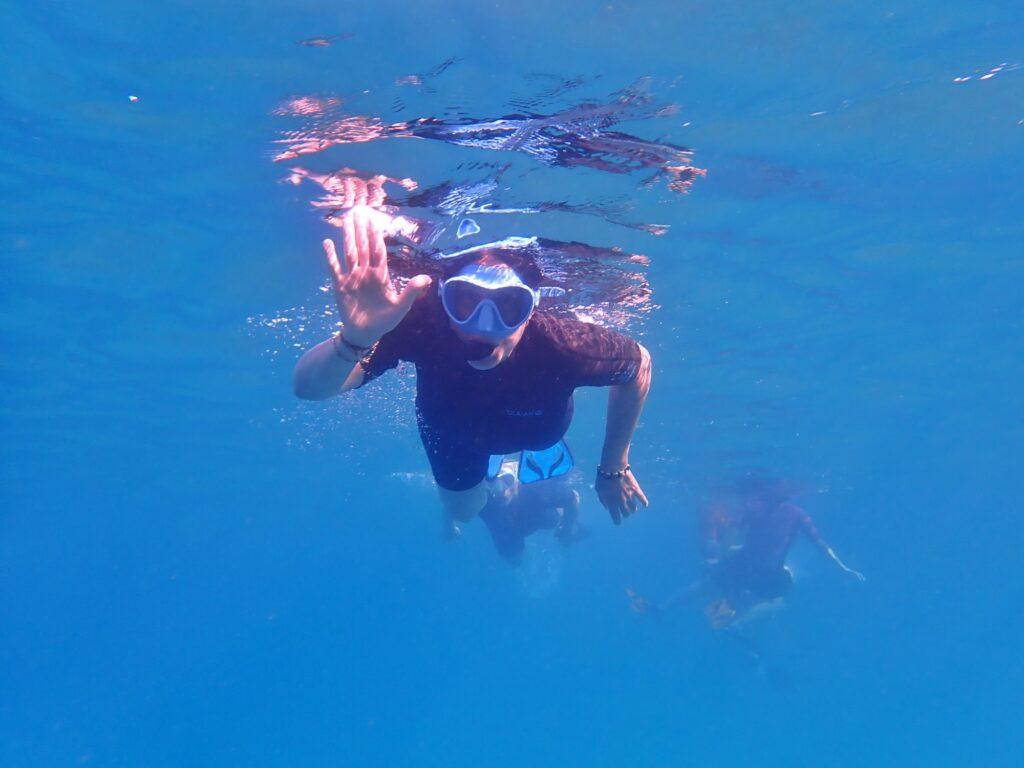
x=195, y=569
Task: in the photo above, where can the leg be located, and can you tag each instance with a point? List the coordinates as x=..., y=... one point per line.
x=544, y=505
x=569, y=529
x=460, y=467
x=689, y=593
x=508, y=540
x=502, y=519
x=463, y=505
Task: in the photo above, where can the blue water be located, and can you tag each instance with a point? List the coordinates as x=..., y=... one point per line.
x=198, y=570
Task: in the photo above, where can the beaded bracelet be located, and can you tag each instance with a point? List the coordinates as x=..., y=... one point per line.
x=613, y=475
x=337, y=341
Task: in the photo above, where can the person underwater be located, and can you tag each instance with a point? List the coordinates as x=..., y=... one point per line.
x=745, y=544
x=494, y=373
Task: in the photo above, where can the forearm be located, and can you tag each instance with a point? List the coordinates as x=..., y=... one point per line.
x=323, y=373
x=831, y=555
x=625, y=404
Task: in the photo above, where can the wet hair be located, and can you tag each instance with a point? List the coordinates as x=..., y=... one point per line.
x=406, y=262
x=519, y=260
x=607, y=285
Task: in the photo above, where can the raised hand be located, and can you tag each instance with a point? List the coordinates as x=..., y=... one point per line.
x=368, y=303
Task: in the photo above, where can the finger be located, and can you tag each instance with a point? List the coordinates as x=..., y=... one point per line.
x=378, y=251
x=413, y=290
x=362, y=237
x=345, y=192
x=332, y=260
x=635, y=488
x=360, y=190
x=642, y=496
x=348, y=226
x=375, y=192
x=616, y=515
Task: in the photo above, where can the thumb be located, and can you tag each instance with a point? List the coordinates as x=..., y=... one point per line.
x=413, y=290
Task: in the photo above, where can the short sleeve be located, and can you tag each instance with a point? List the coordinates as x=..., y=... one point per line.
x=594, y=356
x=385, y=356
x=394, y=346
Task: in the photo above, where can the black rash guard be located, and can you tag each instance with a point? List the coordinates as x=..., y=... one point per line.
x=465, y=415
x=758, y=567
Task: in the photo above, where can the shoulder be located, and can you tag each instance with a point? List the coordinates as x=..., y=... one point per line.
x=580, y=338
x=589, y=354
x=795, y=513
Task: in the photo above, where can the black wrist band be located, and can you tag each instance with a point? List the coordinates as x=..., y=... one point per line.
x=612, y=475
x=355, y=348
x=335, y=339
x=358, y=353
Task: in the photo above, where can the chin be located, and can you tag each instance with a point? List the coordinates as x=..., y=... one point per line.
x=476, y=349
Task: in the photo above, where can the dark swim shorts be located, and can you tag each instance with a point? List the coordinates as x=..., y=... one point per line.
x=459, y=454
x=736, y=574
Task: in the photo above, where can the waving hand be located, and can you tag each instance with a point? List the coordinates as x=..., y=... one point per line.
x=368, y=303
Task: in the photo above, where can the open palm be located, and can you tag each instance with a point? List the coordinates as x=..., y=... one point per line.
x=368, y=303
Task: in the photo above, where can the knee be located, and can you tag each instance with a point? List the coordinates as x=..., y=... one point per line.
x=462, y=513
x=463, y=505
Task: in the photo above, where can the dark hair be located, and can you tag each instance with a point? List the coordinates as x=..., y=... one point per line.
x=606, y=283
x=519, y=260
x=405, y=261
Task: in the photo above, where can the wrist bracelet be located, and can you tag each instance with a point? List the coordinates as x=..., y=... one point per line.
x=612, y=475
x=338, y=342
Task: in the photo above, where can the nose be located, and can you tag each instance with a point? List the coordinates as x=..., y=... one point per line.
x=487, y=322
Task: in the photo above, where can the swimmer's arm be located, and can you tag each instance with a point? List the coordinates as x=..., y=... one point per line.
x=830, y=553
x=321, y=373
x=368, y=305
x=686, y=595
x=812, y=532
x=625, y=404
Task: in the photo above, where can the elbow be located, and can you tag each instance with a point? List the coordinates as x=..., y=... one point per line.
x=643, y=375
x=303, y=388
x=302, y=391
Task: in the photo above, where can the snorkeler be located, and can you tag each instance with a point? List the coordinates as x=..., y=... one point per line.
x=745, y=576
x=494, y=375
x=745, y=542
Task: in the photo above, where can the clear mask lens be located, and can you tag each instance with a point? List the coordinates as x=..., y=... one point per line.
x=462, y=298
